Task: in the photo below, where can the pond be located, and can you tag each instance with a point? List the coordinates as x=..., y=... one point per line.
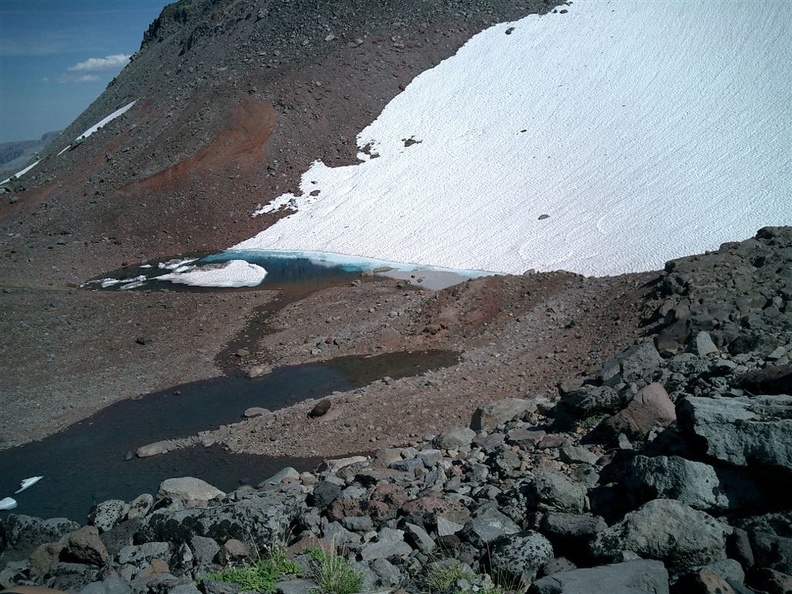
x=262, y=269
x=89, y=462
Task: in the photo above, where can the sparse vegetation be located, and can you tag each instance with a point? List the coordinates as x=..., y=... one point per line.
x=261, y=575
x=334, y=574
x=443, y=576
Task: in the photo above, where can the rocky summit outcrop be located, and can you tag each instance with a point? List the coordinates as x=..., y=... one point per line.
x=656, y=472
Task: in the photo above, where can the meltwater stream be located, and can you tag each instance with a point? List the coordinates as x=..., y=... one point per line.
x=88, y=462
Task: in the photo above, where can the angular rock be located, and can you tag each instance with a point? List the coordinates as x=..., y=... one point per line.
x=776, y=379
x=551, y=490
x=446, y=527
x=204, y=550
x=742, y=431
x=285, y=475
x=519, y=556
x=433, y=507
x=693, y=483
x=569, y=533
x=387, y=572
x=420, y=538
x=631, y=577
x=587, y=401
x=452, y=439
x=772, y=551
x=85, y=546
x=489, y=524
x=705, y=347
x=634, y=364
x=573, y=454
x=390, y=543
x=651, y=407
x=688, y=537
x=325, y=493
x=73, y=576
x=494, y=414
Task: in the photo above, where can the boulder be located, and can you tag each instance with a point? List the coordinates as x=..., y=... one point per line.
x=107, y=514
x=453, y=439
x=21, y=534
x=631, y=577
x=742, y=431
x=772, y=551
x=433, y=507
x=587, y=401
x=551, y=490
x=571, y=533
x=775, y=379
x=266, y=516
x=320, y=409
x=772, y=581
x=693, y=483
x=518, y=557
x=489, y=524
x=390, y=543
x=650, y=407
x=635, y=364
x=704, y=346
x=85, y=546
x=688, y=537
x=140, y=506
x=144, y=553
x=188, y=491
x=44, y=556
x=490, y=416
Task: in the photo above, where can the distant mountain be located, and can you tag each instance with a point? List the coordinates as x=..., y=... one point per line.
x=14, y=156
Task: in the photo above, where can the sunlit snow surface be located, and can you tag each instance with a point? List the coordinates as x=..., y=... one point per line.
x=234, y=273
x=646, y=130
x=105, y=121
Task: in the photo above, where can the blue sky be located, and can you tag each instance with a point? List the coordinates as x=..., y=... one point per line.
x=57, y=56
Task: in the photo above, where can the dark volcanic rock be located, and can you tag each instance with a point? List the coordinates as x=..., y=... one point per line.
x=742, y=431
x=770, y=380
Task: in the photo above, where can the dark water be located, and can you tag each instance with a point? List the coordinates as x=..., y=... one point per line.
x=85, y=463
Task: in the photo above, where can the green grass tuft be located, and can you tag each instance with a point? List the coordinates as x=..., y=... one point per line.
x=334, y=574
x=262, y=575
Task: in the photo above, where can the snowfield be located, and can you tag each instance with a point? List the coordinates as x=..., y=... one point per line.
x=608, y=139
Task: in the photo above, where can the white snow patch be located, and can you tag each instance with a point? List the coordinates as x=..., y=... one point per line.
x=7, y=503
x=105, y=121
x=28, y=482
x=645, y=130
x=19, y=174
x=234, y=273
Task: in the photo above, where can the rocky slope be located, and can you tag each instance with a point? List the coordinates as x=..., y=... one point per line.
x=637, y=424
x=662, y=468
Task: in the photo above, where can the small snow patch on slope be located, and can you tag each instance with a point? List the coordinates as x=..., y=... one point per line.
x=105, y=121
